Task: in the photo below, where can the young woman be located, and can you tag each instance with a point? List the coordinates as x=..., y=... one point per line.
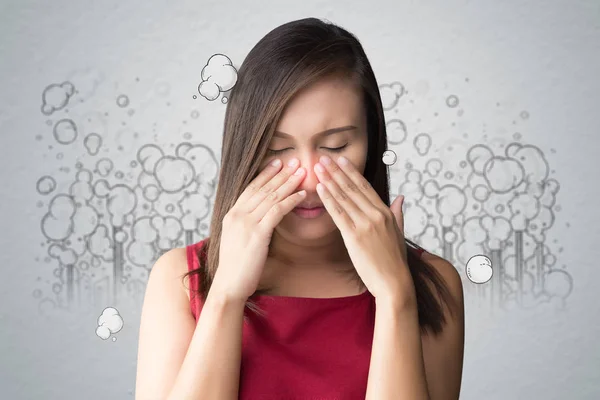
x=306, y=287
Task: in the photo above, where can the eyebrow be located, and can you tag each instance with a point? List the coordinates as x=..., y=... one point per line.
x=323, y=133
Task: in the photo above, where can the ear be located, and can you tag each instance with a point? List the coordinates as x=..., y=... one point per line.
x=396, y=208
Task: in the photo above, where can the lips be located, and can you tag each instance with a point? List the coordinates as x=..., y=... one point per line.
x=309, y=205
x=309, y=213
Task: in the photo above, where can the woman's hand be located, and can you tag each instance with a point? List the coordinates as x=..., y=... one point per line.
x=373, y=233
x=248, y=226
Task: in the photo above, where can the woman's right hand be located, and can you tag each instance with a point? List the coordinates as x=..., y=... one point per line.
x=248, y=227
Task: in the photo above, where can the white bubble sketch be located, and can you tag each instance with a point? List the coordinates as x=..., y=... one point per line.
x=65, y=131
x=389, y=157
x=391, y=94
x=106, y=220
x=122, y=100
x=56, y=97
x=114, y=216
x=452, y=101
x=46, y=185
x=422, y=143
x=92, y=143
x=218, y=76
x=479, y=269
x=109, y=323
x=396, y=131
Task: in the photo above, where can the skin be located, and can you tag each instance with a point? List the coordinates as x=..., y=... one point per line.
x=404, y=364
x=171, y=361
x=309, y=258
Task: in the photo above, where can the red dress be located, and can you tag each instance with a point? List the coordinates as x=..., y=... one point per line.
x=305, y=348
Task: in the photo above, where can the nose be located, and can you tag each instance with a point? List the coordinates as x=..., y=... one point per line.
x=309, y=183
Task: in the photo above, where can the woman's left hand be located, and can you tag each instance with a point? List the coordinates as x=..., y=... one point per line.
x=372, y=231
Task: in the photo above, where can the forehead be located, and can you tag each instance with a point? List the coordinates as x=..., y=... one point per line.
x=329, y=103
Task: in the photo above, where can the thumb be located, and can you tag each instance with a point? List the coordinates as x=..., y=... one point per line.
x=396, y=208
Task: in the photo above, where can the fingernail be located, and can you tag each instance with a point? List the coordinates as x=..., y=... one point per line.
x=342, y=160
x=299, y=171
x=293, y=162
x=276, y=162
x=325, y=160
x=319, y=167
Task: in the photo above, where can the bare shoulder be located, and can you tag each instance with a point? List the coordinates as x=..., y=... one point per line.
x=173, y=265
x=443, y=353
x=448, y=273
x=166, y=326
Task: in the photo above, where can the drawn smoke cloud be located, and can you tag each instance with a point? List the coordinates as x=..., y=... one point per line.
x=479, y=269
x=110, y=322
x=218, y=75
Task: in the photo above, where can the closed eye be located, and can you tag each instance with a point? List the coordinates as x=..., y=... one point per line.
x=335, y=150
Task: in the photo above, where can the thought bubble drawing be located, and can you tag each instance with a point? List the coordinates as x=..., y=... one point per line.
x=479, y=269
x=422, y=143
x=45, y=185
x=433, y=167
x=390, y=94
x=396, y=131
x=103, y=167
x=122, y=101
x=218, y=75
x=452, y=101
x=65, y=131
x=389, y=157
x=92, y=143
x=109, y=322
x=56, y=97
x=110, y=217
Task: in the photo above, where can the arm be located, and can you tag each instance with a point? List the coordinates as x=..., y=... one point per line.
x=396, y=370
x=405, y=365
x=177, y=358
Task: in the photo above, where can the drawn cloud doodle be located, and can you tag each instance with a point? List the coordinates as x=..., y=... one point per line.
x=475, y=204
x=218, y=76
x=109, y=323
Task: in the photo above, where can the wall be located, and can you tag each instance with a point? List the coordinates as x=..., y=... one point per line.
x=492, y=112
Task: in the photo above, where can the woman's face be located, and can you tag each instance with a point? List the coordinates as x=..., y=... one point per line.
x=329, y=104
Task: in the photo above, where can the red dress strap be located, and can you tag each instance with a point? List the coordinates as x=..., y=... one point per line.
x=194, y=279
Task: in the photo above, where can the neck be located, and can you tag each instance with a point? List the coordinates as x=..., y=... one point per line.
x=308, y=268
x=309, y=253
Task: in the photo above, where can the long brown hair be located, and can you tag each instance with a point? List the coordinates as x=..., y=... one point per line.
x=288, y=59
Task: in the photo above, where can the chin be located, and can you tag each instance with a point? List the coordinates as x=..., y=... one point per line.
x=306, y=228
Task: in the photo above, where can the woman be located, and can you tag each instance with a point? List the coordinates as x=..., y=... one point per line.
x=291, y=303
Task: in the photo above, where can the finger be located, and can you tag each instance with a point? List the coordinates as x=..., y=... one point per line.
x=342, y=195
x=277, y=211
x=260, y=191
x=263, y=177
x=356, y=188
x=396, y=208
x=279, y=194
x=368, y=198
x=337, y=212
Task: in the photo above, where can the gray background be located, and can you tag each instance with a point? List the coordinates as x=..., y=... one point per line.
x=523, y=71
